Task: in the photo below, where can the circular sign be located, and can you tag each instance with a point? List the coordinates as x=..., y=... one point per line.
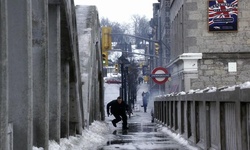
x=160, y=75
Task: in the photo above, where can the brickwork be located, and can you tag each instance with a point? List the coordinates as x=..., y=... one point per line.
x=213, y=70
x=204, y=41
x=189, y=34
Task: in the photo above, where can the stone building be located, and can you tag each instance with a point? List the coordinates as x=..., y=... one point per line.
x=204, y=52
x=51, y=83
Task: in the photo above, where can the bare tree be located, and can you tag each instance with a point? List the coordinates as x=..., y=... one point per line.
x=116, y=28
x=141, y=28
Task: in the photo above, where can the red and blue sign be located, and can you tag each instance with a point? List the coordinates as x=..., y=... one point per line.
x=160, y=75
x=223, y=15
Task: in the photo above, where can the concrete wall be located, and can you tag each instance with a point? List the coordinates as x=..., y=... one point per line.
x=54, y=71
x=4, y=100
x=90, y=65
x=20, y=72
x=41, y=92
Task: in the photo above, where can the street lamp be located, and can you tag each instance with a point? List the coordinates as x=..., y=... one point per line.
x=124, y=73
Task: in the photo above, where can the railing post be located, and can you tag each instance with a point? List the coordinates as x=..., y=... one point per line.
x=164, y=111
x=167, y=113
x=187, y=117
x=174, y=114
x=207, y=136
x=244, y=126
x=170, y=114
x=221, y=125
x=193, y=121
x=176, y=126
x=180, y=114
x=155, y=109
x=161, y=117
x=238, y=116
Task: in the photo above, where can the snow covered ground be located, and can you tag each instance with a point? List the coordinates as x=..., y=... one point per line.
x=98, y=133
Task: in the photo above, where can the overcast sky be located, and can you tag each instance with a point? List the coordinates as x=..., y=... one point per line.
x=121, y=10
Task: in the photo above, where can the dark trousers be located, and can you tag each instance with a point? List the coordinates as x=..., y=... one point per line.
x=119, y=117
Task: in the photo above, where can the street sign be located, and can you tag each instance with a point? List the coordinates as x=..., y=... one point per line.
x=160, y=75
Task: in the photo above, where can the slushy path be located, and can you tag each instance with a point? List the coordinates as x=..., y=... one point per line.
x=142, y=133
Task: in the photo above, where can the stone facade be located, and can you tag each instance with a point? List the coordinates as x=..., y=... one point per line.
x=214, y=70
x=189, y=35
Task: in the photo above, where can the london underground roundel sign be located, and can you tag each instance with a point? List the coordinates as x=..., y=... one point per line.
x=160, y=75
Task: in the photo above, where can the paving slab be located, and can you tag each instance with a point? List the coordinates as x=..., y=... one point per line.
x=141, y=135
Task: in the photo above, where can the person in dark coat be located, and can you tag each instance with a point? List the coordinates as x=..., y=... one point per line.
x=142, y=94
x=145, y=102
x=140, y=79
x=118, y=108
x=145, y=97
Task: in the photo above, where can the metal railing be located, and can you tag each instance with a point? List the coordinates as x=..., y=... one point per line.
x=217, y=120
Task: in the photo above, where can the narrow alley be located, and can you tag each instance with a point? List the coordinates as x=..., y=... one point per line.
x=143, y=134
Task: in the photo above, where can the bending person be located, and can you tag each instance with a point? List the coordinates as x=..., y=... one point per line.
x=118, y=109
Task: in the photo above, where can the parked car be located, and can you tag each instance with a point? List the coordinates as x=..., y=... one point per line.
x=113, y=81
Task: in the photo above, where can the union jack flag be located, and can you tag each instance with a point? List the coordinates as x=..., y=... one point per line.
x=222, y=12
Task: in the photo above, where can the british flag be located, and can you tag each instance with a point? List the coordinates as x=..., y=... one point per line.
x=222, y=12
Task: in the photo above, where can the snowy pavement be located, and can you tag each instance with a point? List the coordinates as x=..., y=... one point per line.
x=101, y=136
x=141, y=135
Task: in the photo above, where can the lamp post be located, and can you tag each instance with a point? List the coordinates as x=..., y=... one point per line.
x=124, y=73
